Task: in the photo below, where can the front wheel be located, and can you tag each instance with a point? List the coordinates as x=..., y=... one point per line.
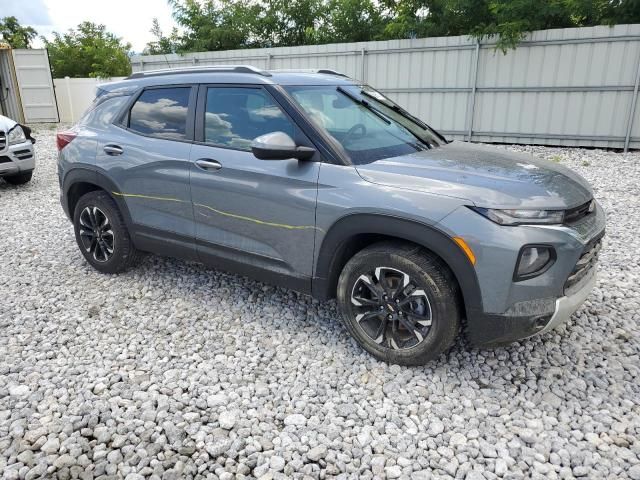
x=399, y=302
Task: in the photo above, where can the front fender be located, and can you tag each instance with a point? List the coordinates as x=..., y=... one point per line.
x=347, y=228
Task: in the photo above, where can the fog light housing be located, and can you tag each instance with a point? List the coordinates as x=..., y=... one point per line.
x=534, y=260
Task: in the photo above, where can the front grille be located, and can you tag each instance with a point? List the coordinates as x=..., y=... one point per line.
x=585, y=263
x=3, y=140
x=23, y=154
x=576, y=214
x=4, y=159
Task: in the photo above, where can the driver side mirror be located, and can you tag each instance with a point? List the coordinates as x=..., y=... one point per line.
x=279, y=146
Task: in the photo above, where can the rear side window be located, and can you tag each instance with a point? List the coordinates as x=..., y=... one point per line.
x=103, y=111
x=234, y=116
x=161, y=112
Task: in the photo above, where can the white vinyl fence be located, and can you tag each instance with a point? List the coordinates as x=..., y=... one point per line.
x=576, y=86
x=74, y=95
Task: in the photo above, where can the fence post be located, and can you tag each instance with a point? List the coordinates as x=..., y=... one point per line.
x=632, y=109
x=363, y=65
x=472, y=100
x=269, y=55
x=70, y=100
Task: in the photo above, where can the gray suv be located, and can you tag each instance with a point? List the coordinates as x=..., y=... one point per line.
x=315, y=182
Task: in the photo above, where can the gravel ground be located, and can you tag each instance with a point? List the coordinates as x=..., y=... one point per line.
x=174, y=370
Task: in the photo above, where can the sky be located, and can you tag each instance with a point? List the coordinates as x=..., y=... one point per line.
x=128, y=19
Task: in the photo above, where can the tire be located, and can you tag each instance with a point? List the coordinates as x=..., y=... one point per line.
x=108, y=249
x=19, y=179
x=420, y=317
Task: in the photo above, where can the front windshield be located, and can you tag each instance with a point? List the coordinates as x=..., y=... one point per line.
x=365, y=123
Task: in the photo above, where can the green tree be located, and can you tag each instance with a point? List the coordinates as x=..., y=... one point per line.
x=162, y=44
x=210, y=25
x=15, y=34
x=231, y=24
x=88, y=51
x=351, y=21
x=506, y=20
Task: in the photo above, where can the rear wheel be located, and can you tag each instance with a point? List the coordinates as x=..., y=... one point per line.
x=19, y=179
x=399, y=302
x=102, y=234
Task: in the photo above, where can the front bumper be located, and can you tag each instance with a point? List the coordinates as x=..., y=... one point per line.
x=566, y=306
x=493, y=330
x=514, y=310
x=17, y=159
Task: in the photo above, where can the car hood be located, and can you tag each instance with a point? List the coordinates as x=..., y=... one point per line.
x=6, y=123
x=486, y=176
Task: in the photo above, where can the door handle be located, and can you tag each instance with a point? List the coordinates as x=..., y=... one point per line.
x=113, y=150
x=208, y=164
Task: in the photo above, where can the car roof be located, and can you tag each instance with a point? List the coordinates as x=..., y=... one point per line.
x=228, y=74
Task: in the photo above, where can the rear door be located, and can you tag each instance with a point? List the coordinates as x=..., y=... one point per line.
x=147, y=156
x=256, y=213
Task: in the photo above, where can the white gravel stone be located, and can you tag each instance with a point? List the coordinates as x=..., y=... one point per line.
x=135, y=375
x=316, y=453
x=393, y=471
x=217, y=400
x=51, y=446
x=501, y=467
x=295, y=419
x=277, y=463
x=634, y=472
x=436, y=427
x=19, y=390
x=227, y=420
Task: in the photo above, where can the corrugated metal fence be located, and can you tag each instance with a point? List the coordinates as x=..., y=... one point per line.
x=573, y=87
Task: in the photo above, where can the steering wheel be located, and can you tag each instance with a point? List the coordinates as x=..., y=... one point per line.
x=351, y=133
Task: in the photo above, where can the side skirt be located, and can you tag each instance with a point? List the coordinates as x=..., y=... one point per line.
x=220, y=257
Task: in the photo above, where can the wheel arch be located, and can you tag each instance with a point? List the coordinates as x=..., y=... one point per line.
x=80, y=181
x=354, y=232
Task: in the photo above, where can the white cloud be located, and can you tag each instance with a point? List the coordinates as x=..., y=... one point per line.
x=128, y=19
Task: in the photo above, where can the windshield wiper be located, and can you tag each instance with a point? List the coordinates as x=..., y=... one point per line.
x=365, y=104
x=400, y=110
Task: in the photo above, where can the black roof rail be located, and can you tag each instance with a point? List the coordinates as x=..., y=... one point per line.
x=326, y=71
x=205, y=69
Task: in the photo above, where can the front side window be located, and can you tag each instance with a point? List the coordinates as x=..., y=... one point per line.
x=369, y=126
x=234, y=116
x=161, y=112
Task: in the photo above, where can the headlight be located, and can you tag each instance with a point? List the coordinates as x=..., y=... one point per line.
x=16, y=135
x=533, y=261
x=521, y=216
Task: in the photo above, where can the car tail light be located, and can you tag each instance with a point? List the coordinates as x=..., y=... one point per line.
x=64, y=138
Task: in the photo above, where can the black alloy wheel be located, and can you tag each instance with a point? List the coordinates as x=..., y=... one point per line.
x=96, y=234
x=391, y=309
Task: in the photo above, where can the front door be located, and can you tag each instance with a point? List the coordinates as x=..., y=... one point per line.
x=259, y=215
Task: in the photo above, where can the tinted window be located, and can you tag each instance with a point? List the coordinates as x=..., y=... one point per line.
x=102, y=112
x=161, y=112
x=235, y=116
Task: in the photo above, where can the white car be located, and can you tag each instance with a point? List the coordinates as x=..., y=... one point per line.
x=17, y=156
